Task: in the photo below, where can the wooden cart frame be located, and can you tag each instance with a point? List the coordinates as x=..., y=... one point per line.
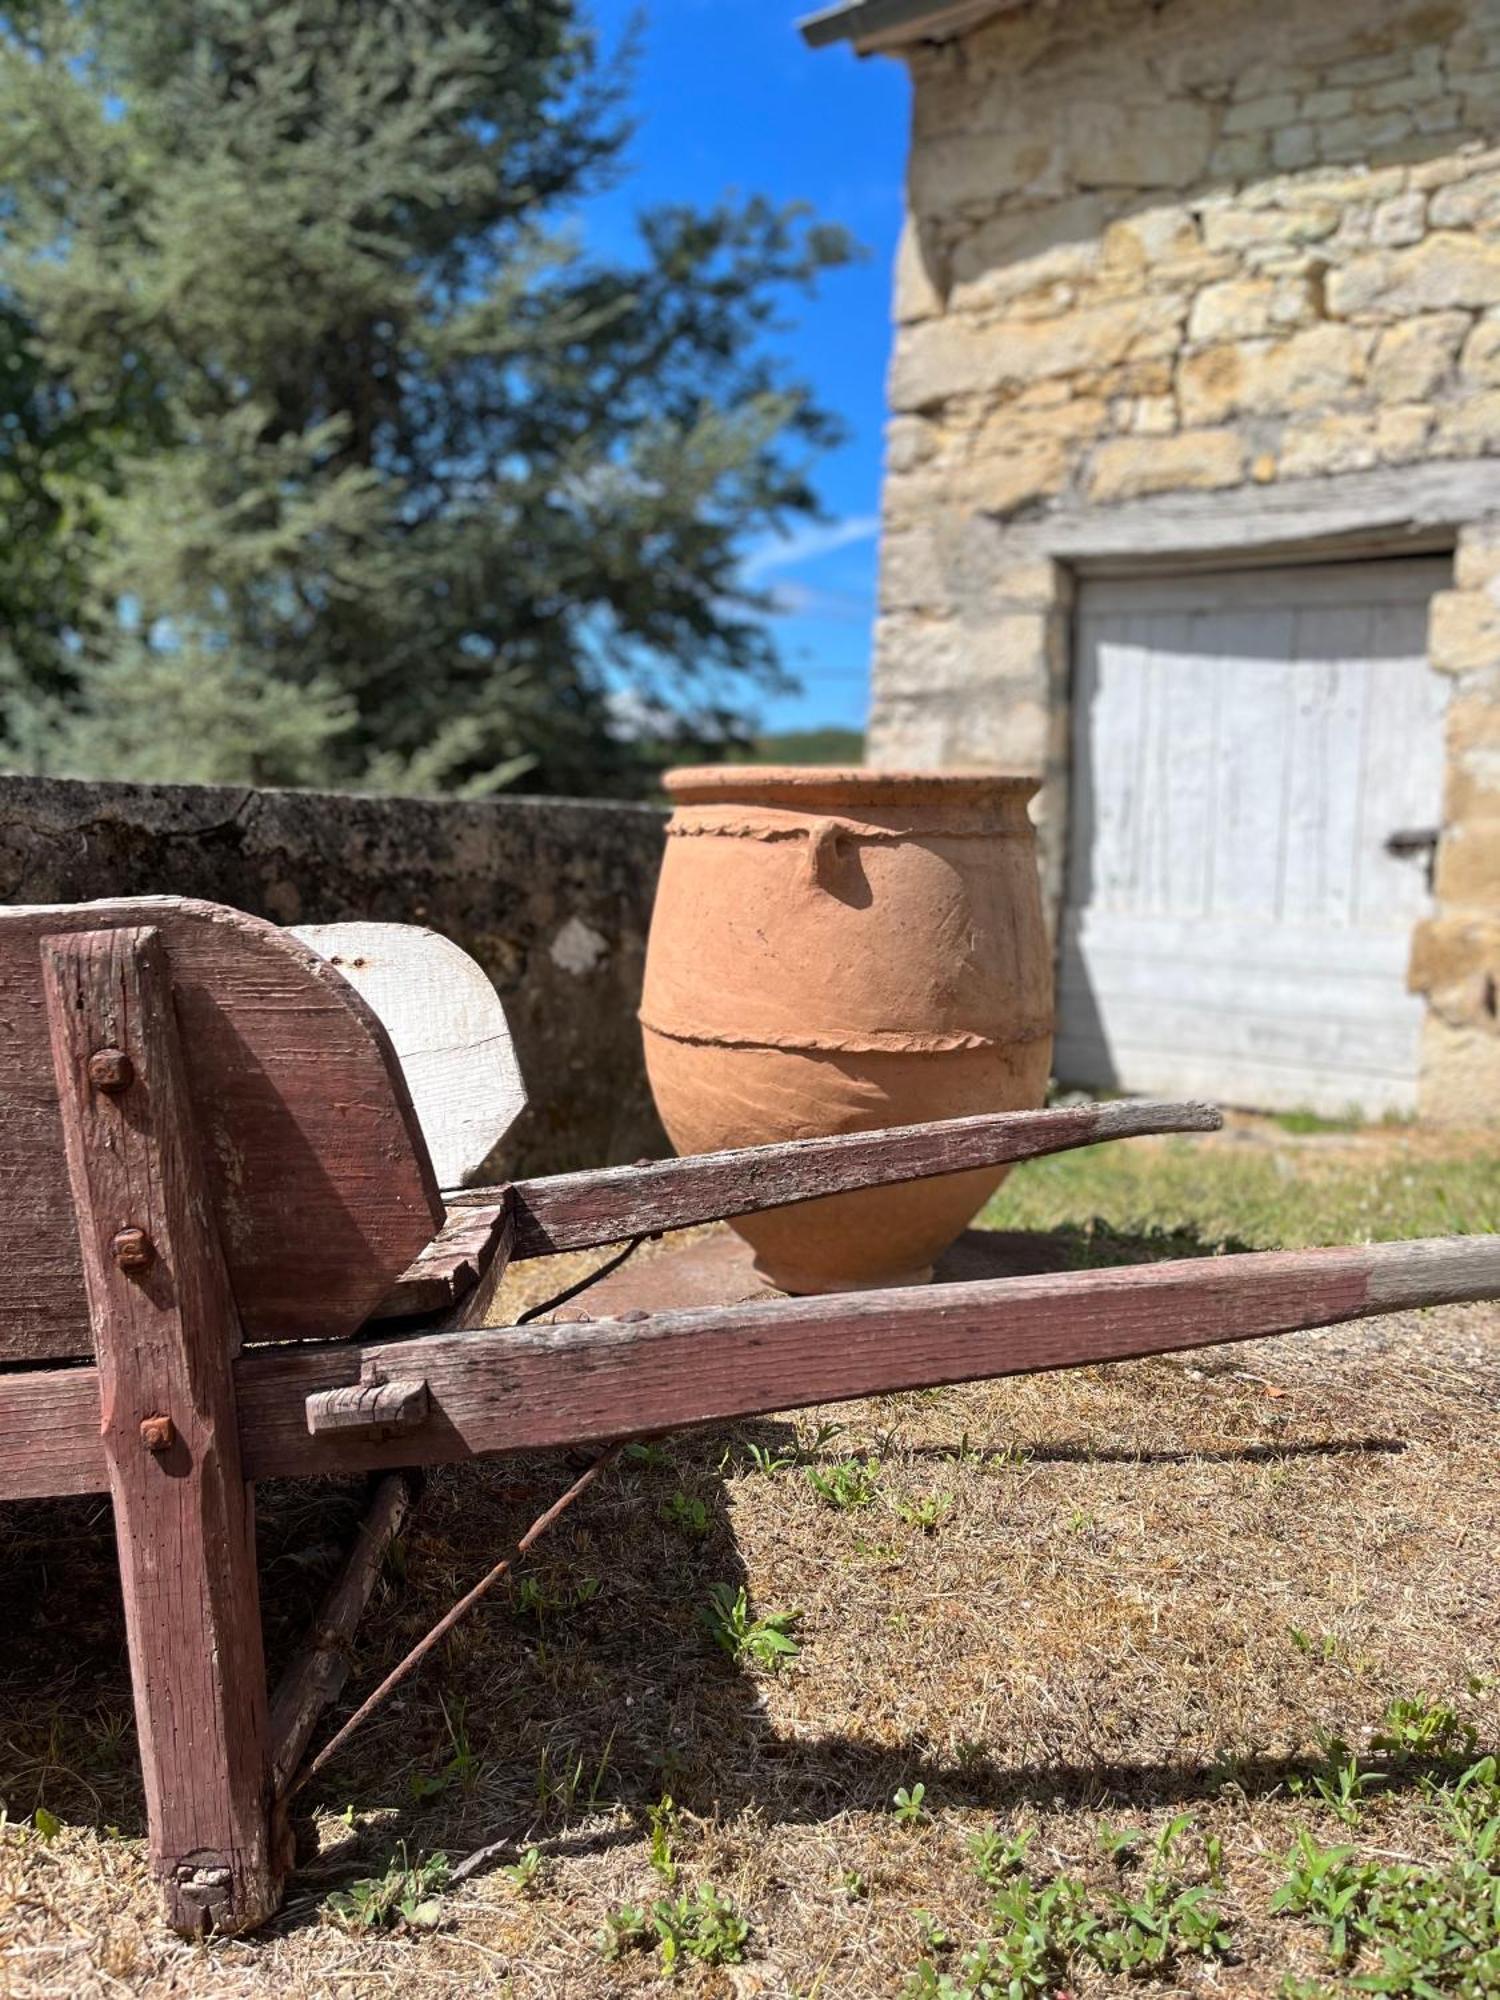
x=230, y=1261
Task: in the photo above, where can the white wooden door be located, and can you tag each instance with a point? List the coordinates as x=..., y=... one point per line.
x=1244, y=746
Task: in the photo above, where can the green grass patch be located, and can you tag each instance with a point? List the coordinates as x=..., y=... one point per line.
x=1131, y=1202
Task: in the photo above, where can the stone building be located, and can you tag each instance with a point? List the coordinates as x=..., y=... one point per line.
x=1192, y=504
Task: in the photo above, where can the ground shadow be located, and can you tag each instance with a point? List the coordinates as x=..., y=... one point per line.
x=590, y=1682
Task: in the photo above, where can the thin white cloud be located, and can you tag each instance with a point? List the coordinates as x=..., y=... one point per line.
x=820, y=538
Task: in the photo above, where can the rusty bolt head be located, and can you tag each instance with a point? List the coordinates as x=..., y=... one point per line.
x=158, y=1433
x=132, y=1249
x=111, y=1070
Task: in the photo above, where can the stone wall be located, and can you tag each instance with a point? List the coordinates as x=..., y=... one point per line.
x=1196, y=251
x=553, y=898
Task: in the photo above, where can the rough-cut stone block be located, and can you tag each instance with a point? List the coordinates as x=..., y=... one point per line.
x=1469, y=425
x=1231, y=226
x=1471, y=203
x=979, y=169
x=1463, y=634
x=1480, y=360
x=1000, y=481
x=1260, y=114
x=1476, y=564
x=1126, y=468
x=1316, y=369
x=1468, y=865
x=1245, y=308
x=1400, y=221
x=1453, y=955
x=1459, y=1077
x=1412, y=360
x=920, y=285
x=913, y=573
x=940, y=359
x=1447, y=269
x=1160, y=144
x=1294, y=146
x=1019, y=252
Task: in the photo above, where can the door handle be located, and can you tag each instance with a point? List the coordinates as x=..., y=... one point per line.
x=1412, y=840
x=1407, y=841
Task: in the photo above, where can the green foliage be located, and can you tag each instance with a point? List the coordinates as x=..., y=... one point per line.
x=1405, y=1928
x=704, y=1926
x=806, y=746
x=1417, y=1730
x=907, y=1805
x=407, y=1893
x=687, y=1514
x=336, y=453
x=851, y=1483
x=1043, y=1933
x=527, y=1875
x=735, y=1630
x=663, y=1819
x=927, y=1512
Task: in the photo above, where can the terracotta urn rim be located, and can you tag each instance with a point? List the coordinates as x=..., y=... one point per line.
x=802, y=785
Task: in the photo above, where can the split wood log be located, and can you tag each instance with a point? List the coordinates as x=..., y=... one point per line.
x=574, y=1211
x=317, y=1675
x=514, y=1388
x=166, y=1332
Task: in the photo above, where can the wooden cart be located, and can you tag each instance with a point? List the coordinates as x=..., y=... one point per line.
x=229, y=1259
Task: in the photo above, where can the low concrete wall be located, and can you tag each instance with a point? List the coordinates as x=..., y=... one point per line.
x=552, y=897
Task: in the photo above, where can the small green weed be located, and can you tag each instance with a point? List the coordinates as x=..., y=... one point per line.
x=461, y=1768
x=1041, y=1935
x=729, y=1622
x=1317, y=1645
x=704, y=1926
x=687, y=1514
x=850, y=1483
x=768, y=1461
x=528, y=1874
x=663, y=1820
x=998, y=1856
x=1419, y=1731
x=1423, y=1930
x=650, y=1457
x=407, y=1893
x=927, y=1513
x=907, y=1805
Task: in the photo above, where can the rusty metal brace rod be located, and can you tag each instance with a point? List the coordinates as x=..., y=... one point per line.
x=449, y=1619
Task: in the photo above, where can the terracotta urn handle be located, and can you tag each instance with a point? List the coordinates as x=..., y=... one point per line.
x=825, y=847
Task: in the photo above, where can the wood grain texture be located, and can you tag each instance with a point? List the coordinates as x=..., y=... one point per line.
x=446, y=1272
x=318, y=1672
x=166, y=1333
x=1243, y=745
x=512, y=1388
x=573, y=1211
x=448, y=1027
x=314, y=1159
x=375, y=1407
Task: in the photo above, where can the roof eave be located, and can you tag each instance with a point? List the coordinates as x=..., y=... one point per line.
x=875, y=25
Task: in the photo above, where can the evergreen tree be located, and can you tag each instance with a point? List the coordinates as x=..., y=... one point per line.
x=393, y=482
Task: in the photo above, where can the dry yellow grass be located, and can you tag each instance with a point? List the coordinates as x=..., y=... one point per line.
x=1152, y=1588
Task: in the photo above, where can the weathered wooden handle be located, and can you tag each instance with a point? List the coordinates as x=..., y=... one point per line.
x=572, y=1211
x=522, y=1387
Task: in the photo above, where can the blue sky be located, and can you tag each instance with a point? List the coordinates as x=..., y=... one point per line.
x=728, y=97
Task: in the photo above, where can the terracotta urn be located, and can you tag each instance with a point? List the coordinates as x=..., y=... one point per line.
x=837, y=950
